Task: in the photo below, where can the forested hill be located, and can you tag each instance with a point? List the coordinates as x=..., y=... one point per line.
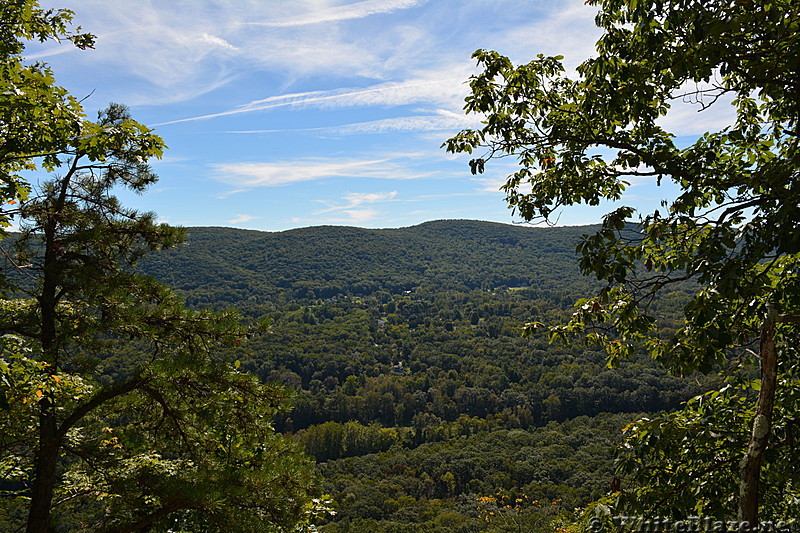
x=231, y=266
x=414, y=389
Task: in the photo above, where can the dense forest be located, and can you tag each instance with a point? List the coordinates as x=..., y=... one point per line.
x=415, y=390
x=254, y=270
x=411, y=379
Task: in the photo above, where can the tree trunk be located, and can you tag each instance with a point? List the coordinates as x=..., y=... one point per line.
x=762, y=424
x=46, y=461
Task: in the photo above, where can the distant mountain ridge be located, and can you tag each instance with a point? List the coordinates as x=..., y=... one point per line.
x=229, y=266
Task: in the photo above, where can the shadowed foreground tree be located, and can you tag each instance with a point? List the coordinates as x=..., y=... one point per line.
x=115, y=412
x=733, y=230
x=118, y=416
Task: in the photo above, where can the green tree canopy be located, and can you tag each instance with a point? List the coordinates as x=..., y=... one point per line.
x=37, y=117
x=117, y=412
x=734, y=228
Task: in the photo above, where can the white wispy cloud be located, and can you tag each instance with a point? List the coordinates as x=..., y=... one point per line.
x=356, y=200
x=174, y=57
x=340, y=13
x=354, y=208
x=565, y=28
x=242, y=219
x=181, y=57
x=163, y=55
x=51, y=51
x=441, y=120
x=243, y=176
x=490, y=183
x=355, y=217
x=391, y=93
x=439, y=88
x=218, y=41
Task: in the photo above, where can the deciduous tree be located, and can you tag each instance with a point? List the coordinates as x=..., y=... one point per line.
x=37, y=117
x=734, y=227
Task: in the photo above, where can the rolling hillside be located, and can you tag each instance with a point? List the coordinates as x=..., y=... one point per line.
x=230, y=266
x=415, y=390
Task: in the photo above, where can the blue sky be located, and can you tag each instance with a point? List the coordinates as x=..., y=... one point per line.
x=289, y=113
